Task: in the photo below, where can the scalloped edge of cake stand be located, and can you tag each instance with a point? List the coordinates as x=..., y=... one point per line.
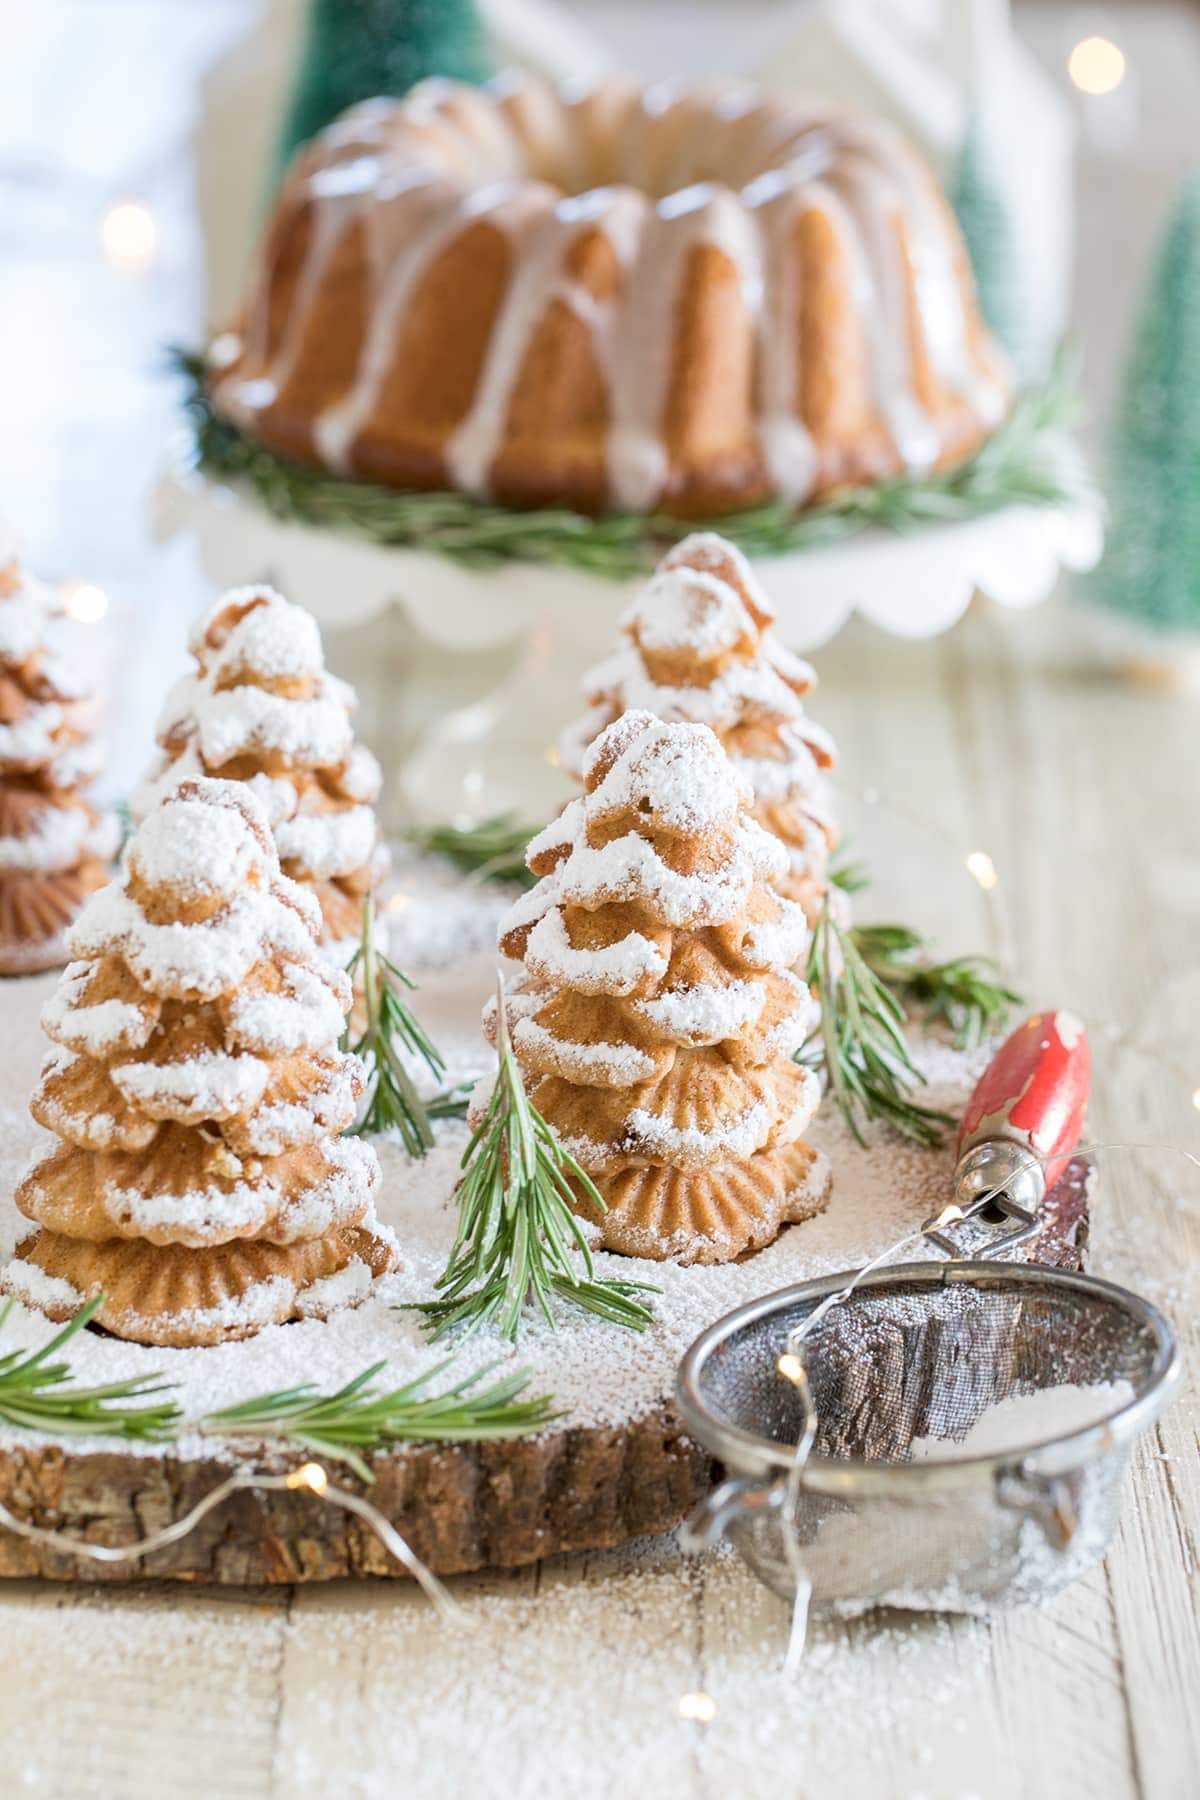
x=912, y=585
x=461, y=1507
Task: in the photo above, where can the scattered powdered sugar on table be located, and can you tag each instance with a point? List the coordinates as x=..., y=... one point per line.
x=598, y=1375
x=364, y=1694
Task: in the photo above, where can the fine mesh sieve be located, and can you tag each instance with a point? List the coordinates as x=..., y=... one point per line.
x=922, y=1351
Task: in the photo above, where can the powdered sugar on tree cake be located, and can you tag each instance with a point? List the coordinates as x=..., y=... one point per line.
x=55, y=846
x=698, y=646
x=196, y=1085
x=262, y=708
x=658, y=1011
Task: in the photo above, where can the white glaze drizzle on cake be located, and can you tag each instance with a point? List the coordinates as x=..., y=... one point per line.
x=665, y=174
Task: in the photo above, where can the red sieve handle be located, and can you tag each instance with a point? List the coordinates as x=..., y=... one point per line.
x=1034, y=1092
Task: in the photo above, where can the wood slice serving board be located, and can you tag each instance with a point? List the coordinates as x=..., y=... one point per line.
x=617, y=1464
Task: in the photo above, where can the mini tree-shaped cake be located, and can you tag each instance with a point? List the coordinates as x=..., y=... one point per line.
x=262, y=708
x=698, y=647
x=658, y=1011
x=198, y=1091
x=55, y=846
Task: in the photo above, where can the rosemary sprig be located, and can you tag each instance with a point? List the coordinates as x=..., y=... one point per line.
x=516, y=1230
x=363, y=1416
x=494, y=849
x=967, y=991
x=849, y=877
x=1030, y=460
x=34, y=1395
x=393, y=1103
x=359, y=1416
x=452, y=1102
x=860, y=1041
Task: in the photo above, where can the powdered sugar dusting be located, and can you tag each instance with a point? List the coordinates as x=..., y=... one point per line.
x=678, y=778
x=59, y=838
x=106, y=1025
x=618, y=968
x=196, y=847
x=209, y=1086
x=262, y=702
x=308, y=1012
x=689, y=608
x=598, y=1375
x=204, y=960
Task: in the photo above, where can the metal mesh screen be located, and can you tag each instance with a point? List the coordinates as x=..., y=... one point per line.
x=922, y=1360
x=925, y=1358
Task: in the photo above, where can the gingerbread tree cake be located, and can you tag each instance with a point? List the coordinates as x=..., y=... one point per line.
x=697, y=645
x=262, y=708
x=197, y=1090
x=55, y=846
x=658, y=1011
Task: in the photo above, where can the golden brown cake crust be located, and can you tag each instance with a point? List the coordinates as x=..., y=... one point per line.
x=620, y=300
x=658, y=1011
x=262, y=708
x=201, y=1182
x=55, y=846
x=696, y=644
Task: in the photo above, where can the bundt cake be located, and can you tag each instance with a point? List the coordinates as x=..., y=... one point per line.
x=618, y=299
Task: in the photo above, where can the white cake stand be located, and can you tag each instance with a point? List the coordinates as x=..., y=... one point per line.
x=497, y=754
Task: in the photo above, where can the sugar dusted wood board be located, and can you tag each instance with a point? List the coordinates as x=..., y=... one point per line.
x=616, y=1466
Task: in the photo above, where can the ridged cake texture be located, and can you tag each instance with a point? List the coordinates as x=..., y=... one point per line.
x=201, y=1183
x=55, y=845
x=657, y=1013
x=618, y=298
x=261, y=707
x=697, y=646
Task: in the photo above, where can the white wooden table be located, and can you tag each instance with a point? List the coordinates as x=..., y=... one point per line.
x=1013, y=737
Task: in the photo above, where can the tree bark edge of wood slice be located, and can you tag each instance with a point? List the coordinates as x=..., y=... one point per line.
x=460, y=1507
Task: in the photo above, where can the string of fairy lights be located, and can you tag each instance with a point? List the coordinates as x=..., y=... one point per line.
x=310, y=1478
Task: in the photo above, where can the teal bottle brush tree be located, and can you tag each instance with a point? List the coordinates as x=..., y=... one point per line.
x=356, y=49
x=1152, y=570
x=981, y=207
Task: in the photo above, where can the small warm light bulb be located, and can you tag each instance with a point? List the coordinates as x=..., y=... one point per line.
x=1096, y=65
x=700, y=1707
x=85, y=601
x=790, y=1367
x=128, y=234
x=553, y=756
x=1196, y=1099
x=398, y=903
x=309, y=1475
x=981, y=866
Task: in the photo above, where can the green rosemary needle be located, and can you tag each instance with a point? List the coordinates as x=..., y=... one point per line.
x=967, y=991
x=519, y=1242
x=1029, y=460
x=393, y=1103
x=493, y=849
x=860, y=1040
x=35, y=1395
x=362, y=1416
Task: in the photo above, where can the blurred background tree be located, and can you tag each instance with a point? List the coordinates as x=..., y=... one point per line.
x=1152, y=568
x=355, y=49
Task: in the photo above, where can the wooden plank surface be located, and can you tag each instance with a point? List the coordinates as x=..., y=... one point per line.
x=566, y=1678
x=569, y=1676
